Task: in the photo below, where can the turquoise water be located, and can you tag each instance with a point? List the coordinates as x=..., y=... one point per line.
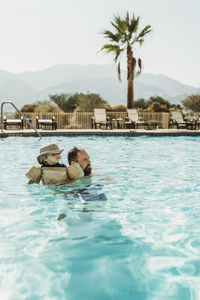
x=129, y=232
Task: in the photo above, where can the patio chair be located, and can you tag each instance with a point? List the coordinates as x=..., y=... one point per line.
x=46, y=122
x=13, y=122
x=177, y=120
x=100, y=119
x=133, y=120
x=196, y=121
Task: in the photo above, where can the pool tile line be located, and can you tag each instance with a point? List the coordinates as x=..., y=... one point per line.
x=99, y=132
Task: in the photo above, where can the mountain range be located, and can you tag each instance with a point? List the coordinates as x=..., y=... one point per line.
x=31, y=86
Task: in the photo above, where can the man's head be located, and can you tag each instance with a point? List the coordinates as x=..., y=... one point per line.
x=79, y=155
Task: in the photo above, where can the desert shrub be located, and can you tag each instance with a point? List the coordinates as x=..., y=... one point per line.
x=119, y=108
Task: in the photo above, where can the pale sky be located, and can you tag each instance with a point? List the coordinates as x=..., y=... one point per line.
x=37, y=34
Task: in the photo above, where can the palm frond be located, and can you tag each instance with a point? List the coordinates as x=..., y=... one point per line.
x=139, y=37
x=144, y=31
x=117, y=54
x=140, y=63
x=109, y=48
x=111, y=36
x=141, y=41
x=127, y=18
x=113, y=48
x=133, y=26
x=140, y=67
x=119, y=24
x=117, y=29
x=119, y=72
x=134, y=62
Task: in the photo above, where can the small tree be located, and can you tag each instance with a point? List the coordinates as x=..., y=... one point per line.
x=37, y=108
x=159, y=100
x=66, y=102
x=192, y=103
x=29, y=108
x=48, y=108
x=157, y=107
x=176, y=107
x=119, y=108
x=87, y=102
x=141, y=104
x=42, y=102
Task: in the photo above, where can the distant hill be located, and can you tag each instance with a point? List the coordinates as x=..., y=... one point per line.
x=11, y=87
x=28, y=87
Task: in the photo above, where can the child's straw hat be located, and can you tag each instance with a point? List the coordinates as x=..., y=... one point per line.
x=48, y=150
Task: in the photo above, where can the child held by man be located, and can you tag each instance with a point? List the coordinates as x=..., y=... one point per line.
x=51, y=170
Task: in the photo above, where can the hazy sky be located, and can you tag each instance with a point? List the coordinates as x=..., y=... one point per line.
x=37, y=34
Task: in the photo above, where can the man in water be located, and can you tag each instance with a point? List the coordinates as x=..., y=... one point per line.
x=91, y=192
x=79, y=155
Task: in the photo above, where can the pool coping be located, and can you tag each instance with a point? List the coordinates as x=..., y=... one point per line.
x=100, y=132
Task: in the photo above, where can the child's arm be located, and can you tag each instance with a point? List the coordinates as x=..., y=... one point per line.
x=31, y=182
x=75, y=171
x=34, y=175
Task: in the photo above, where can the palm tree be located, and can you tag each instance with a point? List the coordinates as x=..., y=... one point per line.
x=123, y=38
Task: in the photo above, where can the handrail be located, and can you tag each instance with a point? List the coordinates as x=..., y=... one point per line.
x=23, y=116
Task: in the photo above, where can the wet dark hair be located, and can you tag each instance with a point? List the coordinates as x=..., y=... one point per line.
x=73, y=153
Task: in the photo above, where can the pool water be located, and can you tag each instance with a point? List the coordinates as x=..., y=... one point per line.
x=131, y=231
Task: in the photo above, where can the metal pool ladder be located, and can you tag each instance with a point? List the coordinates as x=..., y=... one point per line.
x=21, y=114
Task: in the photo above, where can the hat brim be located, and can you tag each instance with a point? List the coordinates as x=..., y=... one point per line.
x=41, y=156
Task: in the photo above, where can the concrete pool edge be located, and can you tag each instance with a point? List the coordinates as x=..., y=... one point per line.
x=98, y=132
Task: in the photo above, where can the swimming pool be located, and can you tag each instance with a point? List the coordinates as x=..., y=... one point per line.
x=130, y=232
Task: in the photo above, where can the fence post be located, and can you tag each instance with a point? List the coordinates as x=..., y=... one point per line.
x=165, y=120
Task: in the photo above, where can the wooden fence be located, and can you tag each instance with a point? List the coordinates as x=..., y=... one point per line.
x=82, y=120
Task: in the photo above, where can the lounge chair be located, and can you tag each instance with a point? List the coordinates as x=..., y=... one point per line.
x=46, y=122
x=177, y=120
x=133, y=120
x=196, y=121
x=100, y=119
x=13, y=122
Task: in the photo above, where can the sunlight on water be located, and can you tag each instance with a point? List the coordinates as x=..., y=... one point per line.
x=131, y=231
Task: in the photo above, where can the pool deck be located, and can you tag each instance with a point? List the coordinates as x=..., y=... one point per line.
x=99, y=132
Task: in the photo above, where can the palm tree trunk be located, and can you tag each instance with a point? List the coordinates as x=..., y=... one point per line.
x=131, y=62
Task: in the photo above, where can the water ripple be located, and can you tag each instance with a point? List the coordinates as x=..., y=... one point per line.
x=132, y=231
